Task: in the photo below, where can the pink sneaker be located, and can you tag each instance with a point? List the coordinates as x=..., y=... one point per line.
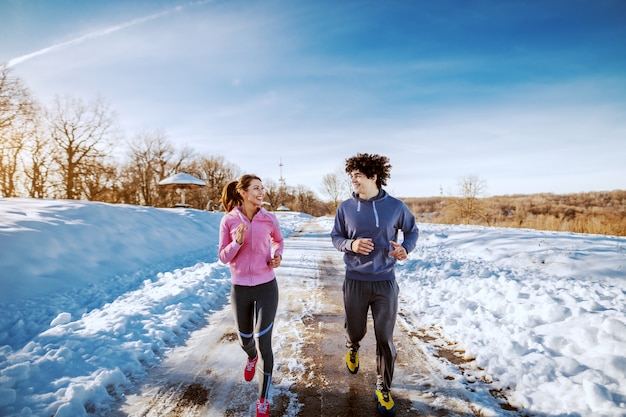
x=262, y=408
x=248, y=373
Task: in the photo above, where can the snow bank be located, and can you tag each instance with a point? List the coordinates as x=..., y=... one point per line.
x=544, y=313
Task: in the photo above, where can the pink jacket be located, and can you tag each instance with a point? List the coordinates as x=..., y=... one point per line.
x=249, y=262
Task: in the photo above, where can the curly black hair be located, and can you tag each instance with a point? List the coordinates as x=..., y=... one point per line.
x=370, y=165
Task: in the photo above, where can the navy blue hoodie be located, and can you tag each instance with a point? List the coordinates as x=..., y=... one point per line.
x=379, y=218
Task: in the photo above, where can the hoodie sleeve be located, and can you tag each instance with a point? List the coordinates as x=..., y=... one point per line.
x=339, y=234
x=409, y=229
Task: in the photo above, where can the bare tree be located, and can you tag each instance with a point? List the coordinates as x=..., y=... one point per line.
x=152, y=158
x=307, y=202
x=12, y=148
x=216, y=173
x=37, y=164
x=150, y=155
x=336, y=186
x=101, y=182
x=83, y=134
x=273, y=193
x=17, y=120
x=468, y=206
x=15, y=99
x=331, y=188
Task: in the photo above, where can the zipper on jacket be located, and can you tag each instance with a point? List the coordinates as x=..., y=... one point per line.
x=250, y=264
x=244, y=219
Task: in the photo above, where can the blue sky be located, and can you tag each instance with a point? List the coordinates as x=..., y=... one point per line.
x=530, y=96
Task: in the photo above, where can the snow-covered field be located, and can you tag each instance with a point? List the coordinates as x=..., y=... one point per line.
x=94, y=294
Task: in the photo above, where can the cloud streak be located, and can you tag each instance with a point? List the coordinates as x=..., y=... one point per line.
x=93, y=35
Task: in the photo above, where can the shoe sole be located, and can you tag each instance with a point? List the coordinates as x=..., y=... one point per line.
x=382, y=410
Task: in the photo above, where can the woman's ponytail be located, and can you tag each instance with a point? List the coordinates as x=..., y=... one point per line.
x=230, y=196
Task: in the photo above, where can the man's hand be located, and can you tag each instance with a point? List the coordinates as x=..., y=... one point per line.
x=398, y=251
x=362, y=246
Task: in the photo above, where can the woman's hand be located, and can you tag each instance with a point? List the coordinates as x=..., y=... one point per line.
x=240, y=231
x=275, y=261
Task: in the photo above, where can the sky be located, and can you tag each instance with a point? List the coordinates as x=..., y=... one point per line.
x=528, y=96
x=95, y=295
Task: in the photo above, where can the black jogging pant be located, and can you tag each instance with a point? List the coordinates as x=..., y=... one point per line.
x=382, y=298
x=255, y=309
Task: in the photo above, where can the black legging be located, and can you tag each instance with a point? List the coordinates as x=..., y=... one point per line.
x=255, y=309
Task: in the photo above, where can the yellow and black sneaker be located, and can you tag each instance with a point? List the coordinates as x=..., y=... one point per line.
x=352, y=361
x=386, y=406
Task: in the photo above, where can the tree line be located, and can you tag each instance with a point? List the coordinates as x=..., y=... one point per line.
x=73, y=149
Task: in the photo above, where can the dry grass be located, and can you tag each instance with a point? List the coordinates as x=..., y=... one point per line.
x=602, y=212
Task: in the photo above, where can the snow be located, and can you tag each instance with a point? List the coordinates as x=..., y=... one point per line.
x=95, y=294
x=182, y=178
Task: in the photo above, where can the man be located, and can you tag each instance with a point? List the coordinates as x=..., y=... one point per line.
x=366, y=230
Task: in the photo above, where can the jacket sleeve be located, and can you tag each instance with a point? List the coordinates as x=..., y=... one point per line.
x=228, y=248
x=278, y=243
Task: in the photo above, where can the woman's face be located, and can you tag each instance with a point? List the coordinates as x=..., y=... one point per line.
x=254, y=194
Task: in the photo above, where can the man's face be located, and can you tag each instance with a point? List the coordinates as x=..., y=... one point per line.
x=361, y=184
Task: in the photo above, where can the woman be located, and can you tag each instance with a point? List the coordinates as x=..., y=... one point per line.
x=252, y=244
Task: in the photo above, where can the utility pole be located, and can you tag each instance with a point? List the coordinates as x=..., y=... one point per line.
x=281, y=181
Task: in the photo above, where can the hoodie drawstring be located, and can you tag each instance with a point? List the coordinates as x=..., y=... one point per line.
x=358, y=208
x=375, y=213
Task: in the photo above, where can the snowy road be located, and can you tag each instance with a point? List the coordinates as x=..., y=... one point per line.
x=125, y=308
x=204, y=377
